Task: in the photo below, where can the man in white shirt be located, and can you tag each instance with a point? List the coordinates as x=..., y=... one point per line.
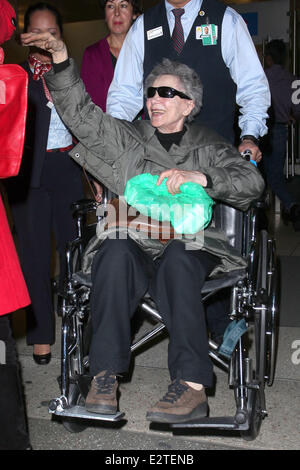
x=229, y=69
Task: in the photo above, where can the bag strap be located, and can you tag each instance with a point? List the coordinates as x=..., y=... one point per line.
x=89, y=183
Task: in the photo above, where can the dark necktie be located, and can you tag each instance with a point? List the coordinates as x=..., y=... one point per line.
x=177, y=36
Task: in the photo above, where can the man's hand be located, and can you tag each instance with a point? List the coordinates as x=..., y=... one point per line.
x=248, y=144
x=47, y=42
x=177, y=177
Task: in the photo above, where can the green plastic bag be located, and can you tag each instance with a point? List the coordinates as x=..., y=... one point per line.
x=188, y=211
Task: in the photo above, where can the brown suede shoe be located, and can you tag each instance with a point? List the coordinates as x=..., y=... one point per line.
x=181, y=403
x=102, y=397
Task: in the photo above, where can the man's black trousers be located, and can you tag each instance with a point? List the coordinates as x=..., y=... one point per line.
x=121, y=274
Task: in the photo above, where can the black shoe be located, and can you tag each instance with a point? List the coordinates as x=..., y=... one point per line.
x=42, y=359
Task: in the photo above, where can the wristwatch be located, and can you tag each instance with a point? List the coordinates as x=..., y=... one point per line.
x=250, y=137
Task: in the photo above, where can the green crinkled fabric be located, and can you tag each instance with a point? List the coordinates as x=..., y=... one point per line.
x=188, y=211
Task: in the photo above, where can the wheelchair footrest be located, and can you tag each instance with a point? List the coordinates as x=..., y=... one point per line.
x=81, y=412
x=218, y=422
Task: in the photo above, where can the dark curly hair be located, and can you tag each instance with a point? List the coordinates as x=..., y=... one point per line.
x=135, y=5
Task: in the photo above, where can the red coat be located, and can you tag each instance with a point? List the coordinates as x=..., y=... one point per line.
x=13, y=290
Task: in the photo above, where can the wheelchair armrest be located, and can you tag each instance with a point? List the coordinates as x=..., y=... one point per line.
x=83, y=206
x=263, y=202
x=259, y=204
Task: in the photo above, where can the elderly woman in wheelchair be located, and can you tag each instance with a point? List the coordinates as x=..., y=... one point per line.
x=174, y=271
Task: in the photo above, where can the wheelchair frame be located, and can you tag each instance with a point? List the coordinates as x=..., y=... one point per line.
x=254, y=297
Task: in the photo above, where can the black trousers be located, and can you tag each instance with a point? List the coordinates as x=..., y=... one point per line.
x=13, y=427
x=121, y=275
x=38, y=213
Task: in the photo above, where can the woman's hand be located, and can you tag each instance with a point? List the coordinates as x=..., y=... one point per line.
x=47, y=42
x=177, y=177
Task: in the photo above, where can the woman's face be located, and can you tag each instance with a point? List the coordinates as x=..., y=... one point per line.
x=43, y=21
x=168, y=114
x=119, y=16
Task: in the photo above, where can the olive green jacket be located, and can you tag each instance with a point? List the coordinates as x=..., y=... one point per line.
x=113, y=151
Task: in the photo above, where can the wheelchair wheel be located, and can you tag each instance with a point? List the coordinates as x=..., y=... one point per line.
x=273, y=313
x=256, y=405
x=255, y=415
x=74, y=425
x=266, y=319
x=260, y=316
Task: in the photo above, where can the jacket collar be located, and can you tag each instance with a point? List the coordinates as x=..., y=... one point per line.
x=154, y=151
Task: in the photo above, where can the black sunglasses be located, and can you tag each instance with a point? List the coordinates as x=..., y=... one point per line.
x=166, y=92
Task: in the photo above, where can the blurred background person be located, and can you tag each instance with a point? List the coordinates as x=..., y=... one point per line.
x=41, y=195
x=283, y=111
x=99, y=59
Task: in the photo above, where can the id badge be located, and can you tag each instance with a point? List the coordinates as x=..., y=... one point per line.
x=208, y=33
x=155, y=33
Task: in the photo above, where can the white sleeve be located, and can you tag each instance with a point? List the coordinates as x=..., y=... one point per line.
x=125, y=95
x=240, y=56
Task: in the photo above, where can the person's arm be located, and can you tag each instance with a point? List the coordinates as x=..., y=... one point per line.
x=253, y=93
x=229, y=178
x=87, y=122
x=85, y=71
x=125, y=96
x=235, y=180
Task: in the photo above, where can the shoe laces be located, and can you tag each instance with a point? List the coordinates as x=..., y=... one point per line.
x=105, y=383
x=175, y=390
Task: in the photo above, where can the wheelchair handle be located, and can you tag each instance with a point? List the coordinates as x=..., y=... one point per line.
x=247, y=154
x=83, y=206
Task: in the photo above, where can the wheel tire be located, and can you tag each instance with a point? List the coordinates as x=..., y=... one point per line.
x=272, y=315
x=260, y=321
x=255, y=396
x=74, y=425
x=255, y=415
x=267, y=323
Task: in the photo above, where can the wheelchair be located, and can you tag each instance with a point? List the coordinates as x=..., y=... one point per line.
x=254, y=299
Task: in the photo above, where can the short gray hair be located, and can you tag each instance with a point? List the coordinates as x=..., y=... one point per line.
x=189, y=79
